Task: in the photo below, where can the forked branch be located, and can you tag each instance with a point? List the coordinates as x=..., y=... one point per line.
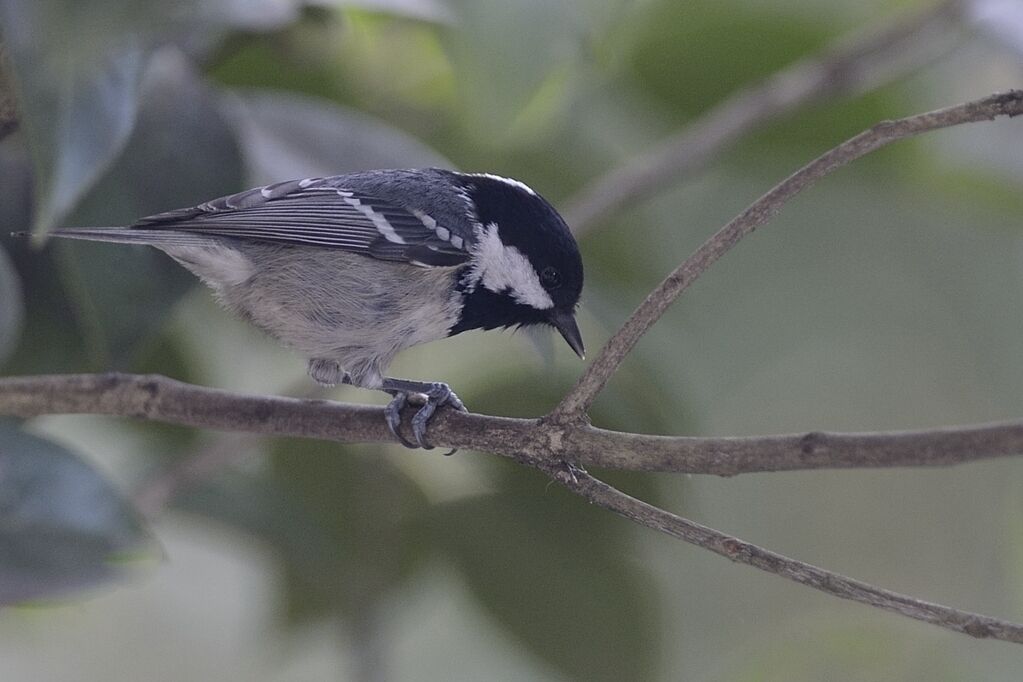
x=563, y=440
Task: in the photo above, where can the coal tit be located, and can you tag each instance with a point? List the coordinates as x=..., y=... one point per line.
x=352, y=269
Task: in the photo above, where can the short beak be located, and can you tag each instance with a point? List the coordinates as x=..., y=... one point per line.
x=564, y=322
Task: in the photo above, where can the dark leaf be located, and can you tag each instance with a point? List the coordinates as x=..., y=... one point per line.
x=367, y=513
x=78, y=67
x=62, y=526
x=557, y=574
x=11, y=307
x=180, y=154
x=77, y=84
x=50, y=340
x=342, y=520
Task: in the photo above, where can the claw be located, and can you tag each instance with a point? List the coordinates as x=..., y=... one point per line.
x=438, y=394
x=430, y=396
x=393, y=415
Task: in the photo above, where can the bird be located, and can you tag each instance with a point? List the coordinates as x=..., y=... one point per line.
x=352, y=269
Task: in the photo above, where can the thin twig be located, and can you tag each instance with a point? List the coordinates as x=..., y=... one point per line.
x=610, y=357
x=158, y=398
x=742, y=552
x=849, y=66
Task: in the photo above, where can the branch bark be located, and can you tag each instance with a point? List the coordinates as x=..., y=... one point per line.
x=158, y=398
x=547, y=448
x=610, y=357
x=849, y=66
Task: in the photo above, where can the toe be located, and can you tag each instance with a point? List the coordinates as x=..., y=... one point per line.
x=420, y=422
x=393, y=415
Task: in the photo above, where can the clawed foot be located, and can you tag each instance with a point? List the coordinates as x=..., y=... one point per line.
x=436, y=395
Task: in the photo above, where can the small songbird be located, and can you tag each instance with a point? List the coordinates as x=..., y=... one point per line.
x=352, y=269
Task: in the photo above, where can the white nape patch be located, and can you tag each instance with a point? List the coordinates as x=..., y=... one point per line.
x=380, y=222
x=308, y=181
x=508, y=181
x=266, y=192
x=499, y=267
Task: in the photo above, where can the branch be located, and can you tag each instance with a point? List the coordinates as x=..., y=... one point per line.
x=597, y=374
x=848, y=66
x=742, y=552
x=547, y=448
x=8, y=111
x=564, y=436
x=158, y=398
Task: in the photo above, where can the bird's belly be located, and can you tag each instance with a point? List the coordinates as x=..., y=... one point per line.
x=346, y=307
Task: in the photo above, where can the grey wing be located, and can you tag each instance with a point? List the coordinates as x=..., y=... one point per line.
x=321, y=212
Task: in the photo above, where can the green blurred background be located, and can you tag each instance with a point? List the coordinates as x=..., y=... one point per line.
x=887, y=297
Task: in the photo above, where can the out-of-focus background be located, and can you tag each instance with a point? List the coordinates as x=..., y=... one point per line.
x=887, y=297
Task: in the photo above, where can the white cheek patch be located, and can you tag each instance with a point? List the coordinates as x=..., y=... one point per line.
x=499, y=268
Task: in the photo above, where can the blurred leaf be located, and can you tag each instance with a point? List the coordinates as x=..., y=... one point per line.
x=78, y=67
x=11, y=307
x=62, y=526
x=505, y=53
x=557, y=575
x=365, y=509
x=289, y=136
x=181, y=153
x=50, y=339
x=427, y=10
x=342, y=520
x=254, y=504
x=77, y=82
x=687, y=57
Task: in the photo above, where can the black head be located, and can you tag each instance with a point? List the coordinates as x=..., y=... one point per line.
x=525, y=267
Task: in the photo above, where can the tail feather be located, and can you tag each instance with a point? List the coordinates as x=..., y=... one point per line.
x=120, y=235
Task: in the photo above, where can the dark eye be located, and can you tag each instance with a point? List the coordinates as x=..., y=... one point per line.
x=550, y=278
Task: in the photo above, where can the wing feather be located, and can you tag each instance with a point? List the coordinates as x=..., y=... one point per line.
x=319, y=212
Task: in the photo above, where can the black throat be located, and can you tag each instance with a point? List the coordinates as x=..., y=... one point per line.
x=485, y=309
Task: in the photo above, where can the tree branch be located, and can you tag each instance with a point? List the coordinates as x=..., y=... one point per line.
x=742, y=552
x=562, y=440
x=849, y=66
x=610, y=357
x=161, y=399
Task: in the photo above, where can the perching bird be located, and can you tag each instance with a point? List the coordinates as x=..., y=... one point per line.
x=352, y=269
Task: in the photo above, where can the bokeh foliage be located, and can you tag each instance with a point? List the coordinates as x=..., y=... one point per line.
x=886, y=298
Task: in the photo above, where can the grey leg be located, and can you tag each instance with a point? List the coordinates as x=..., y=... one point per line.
x=437, y=394
x=329, y=373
